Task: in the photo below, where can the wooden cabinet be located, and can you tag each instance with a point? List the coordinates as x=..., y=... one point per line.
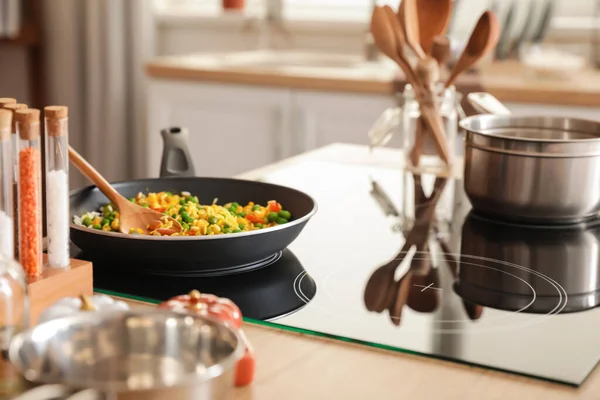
x=232, y=129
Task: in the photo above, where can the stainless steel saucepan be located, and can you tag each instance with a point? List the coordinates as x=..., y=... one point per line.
x=531, y=169
x=133, y=355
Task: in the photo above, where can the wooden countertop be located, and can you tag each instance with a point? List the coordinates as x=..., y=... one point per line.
x=294, y=366
x=509, y=81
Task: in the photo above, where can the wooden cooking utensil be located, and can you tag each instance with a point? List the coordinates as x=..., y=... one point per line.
x=410, y=23
x=440, y=50
x=483, y=39
x=390, y=39
x=131, y=214
x=434, y=17
x=428, y=72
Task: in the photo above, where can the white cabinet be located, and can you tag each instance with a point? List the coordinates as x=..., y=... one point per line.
x=237, y=128
x=232, y=128
x=323, y=118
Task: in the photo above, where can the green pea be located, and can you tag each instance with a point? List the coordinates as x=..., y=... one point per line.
x=282, y=221
x=242, y=214
x=145, y=206
x=235, y=204
x=169, y=193
x=193, y=199
x=186, y=217
x=96, y=226
x=182, y=202
x=213, y=220
x=226, y=226
x=272, y=217
x=87, y=221
x=132, y=199
x=285, y=214
x=259, y=225
x=105, y=221
x=256, y=207
x=237, y=230
x=227, y=230
x=111, y=218
x=185, y=226
x=242, y=226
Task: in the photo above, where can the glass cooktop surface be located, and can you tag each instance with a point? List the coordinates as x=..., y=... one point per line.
x=403, y=263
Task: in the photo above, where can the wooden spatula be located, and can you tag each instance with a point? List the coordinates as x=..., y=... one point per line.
x=131, y=214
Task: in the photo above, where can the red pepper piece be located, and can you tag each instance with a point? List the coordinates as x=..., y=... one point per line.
x=274, y=206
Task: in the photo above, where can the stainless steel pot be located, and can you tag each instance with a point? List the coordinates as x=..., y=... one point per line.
x=132, y=355
x=533, y=169
x=570, y=256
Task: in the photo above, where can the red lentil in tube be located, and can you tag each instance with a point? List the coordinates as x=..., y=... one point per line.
x=30, y=191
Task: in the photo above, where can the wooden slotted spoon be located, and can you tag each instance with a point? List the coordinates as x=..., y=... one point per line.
x=131, y=214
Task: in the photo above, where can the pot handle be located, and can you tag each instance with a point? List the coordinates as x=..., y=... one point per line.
x=485, y=103
x=51, y=392
x=176, y=159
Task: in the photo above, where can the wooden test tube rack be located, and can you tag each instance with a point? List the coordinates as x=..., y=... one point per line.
x=56, y=283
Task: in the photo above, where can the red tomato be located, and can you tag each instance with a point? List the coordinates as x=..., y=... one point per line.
x=274, y=206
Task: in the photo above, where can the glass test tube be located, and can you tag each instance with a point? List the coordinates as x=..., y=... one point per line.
x=13, y=107
x=57, y=185
x=7, y=241
x=30, y=191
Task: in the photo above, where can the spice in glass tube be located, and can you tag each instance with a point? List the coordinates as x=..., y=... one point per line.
x=30, y=187
x=57, y=185
x=6, y=186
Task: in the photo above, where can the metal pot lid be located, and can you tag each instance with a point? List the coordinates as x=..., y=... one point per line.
x=533, y=135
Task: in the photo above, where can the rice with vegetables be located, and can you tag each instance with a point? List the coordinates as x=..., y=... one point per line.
x=196, y=219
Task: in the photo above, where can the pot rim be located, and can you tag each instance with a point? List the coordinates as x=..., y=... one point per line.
x=212, y=372
x=473, y=124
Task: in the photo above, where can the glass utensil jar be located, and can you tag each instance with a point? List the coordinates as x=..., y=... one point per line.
x=413, y=124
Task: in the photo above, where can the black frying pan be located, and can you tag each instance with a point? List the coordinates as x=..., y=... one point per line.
x=184, y=255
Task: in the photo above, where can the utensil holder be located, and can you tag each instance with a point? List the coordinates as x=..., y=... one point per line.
x=416, y=132
x=406, y=120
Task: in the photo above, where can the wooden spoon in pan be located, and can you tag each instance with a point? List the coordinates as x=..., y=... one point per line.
x=131, y=214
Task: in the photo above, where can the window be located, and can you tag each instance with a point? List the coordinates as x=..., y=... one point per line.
x=570, y=14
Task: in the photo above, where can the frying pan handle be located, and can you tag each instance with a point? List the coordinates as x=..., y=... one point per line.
x=176, y=159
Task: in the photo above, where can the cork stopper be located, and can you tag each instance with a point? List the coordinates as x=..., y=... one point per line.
x=28, y=123
x=5, y=124
x=56, y=124
x=6, y=100
x=12, y=107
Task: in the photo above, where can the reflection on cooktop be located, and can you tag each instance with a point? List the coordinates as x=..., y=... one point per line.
x=403, y=264
x=278, y=289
